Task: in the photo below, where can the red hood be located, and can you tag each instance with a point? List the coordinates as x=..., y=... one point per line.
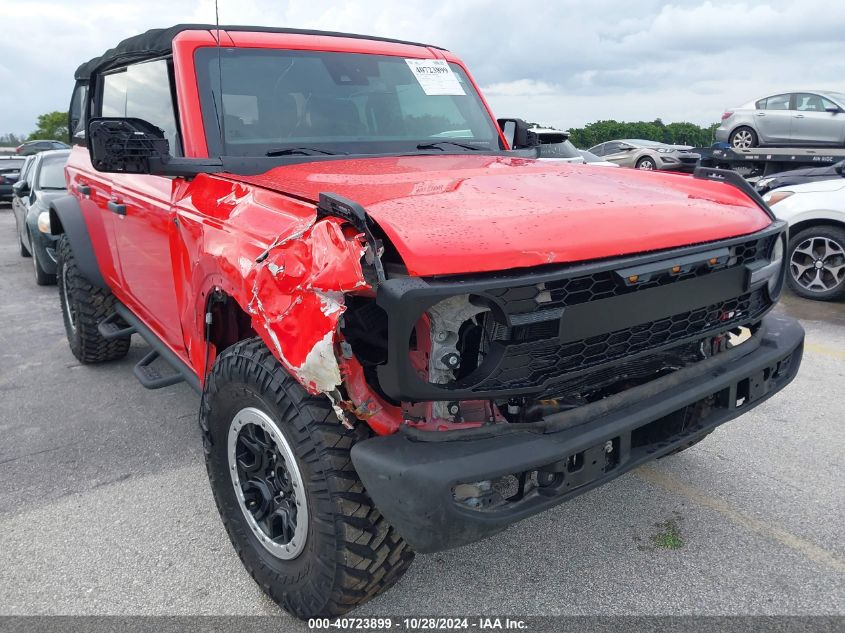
x=459, y=214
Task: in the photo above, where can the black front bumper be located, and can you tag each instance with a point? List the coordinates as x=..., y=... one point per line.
x=411, y=477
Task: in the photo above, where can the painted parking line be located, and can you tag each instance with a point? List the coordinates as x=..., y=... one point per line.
x=815, y=348
x=804, y=547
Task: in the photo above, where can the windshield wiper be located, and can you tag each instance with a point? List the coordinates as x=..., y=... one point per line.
x=305, y=151
x=437, y=145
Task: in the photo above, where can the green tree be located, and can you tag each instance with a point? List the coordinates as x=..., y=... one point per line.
x=674, y=133
x=52, y=125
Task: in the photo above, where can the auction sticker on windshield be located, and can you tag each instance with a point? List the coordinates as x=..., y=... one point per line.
x=435, y=77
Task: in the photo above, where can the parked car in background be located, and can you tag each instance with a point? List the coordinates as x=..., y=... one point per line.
x=10, y=167
x=592, y=159
x=555, y=145
x=44, y=183
x=800, y=176
x=643, y=154
x=815, y=212
x=33, y=147
x=18, y=203
x=814, y=117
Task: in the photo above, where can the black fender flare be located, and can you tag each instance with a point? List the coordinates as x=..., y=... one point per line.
x=66, y=218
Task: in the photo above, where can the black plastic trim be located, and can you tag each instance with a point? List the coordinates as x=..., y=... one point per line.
x=734, y=179
x=411, y=482
x=66, y=210
x=185, y=373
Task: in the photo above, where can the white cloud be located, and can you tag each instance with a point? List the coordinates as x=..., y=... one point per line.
x=564, y=63
x=520, y=88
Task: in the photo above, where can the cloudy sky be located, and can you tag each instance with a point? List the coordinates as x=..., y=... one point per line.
x=558, y=62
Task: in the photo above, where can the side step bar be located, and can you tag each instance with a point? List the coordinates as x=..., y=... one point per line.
x=110, y=330
x=150, y=377
x=147, y=375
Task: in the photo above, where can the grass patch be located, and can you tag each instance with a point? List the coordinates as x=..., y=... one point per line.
x=669, y=536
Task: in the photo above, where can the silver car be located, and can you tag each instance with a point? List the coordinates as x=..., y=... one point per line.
x=648, y=155
x=813, y=117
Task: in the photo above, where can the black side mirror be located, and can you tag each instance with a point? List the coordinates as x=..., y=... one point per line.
x=135, y=146
x=126, y=146
x=21, y=188
x=833, y=110
x=517, y=134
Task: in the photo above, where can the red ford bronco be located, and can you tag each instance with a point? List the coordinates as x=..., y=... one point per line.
x=407, y=334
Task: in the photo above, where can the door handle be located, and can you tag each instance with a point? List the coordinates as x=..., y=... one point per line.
x=117, y=207
x=799, y=116
x=761, y=114
x=85, y=190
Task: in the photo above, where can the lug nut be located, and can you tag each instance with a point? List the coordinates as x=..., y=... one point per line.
x=451, y=360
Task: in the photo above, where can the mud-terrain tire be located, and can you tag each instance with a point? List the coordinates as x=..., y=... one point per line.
x=83, y=307
x=349, y=553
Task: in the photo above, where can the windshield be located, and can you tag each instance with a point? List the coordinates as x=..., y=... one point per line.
x=641, y=142
x=51, y=174
x=840, y=97
x=558, y=150
x=341, y=103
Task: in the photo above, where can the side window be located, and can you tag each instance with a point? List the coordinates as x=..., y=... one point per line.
x=76, y=113
x=777, y=102
x=808, y=102
x=30, y=171
x=598, y=150
x=612, y=148
x=27, y=168
x=142, y=91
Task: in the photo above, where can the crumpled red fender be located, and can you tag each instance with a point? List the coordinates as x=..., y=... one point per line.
x=297, y=299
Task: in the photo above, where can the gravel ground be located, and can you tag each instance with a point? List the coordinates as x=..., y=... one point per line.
x=105, y=507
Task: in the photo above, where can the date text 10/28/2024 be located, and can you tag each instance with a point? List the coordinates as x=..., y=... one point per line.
x=417, y=624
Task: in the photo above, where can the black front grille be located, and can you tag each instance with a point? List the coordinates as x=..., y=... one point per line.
x=545, y=363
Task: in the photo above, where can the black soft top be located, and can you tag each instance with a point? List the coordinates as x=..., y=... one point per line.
x=159, y=42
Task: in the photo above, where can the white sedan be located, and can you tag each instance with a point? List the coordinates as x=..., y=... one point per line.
x=815, y=212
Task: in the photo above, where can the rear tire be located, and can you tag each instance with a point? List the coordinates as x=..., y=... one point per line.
x=83, y=307
x=345, y=553
x=743, y=138
x=816, y=259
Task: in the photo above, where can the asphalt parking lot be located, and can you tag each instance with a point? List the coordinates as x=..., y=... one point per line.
x=105, y=506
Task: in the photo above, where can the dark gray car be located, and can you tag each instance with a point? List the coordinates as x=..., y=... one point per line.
x=10, y=167
x=648, y=155
x=45, y=181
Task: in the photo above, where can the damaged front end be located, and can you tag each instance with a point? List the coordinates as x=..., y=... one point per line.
x=513, y=348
